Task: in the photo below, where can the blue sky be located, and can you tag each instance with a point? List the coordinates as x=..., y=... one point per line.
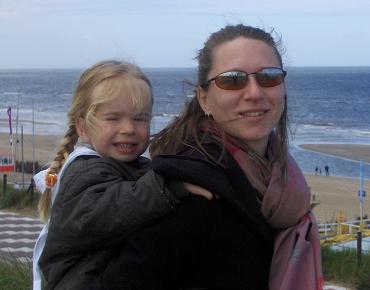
x=167, y=33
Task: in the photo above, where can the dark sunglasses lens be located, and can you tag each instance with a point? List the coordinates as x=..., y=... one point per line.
x=270, y=77
x=232, y=80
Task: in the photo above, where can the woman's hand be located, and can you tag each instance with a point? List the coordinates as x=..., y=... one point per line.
x=197, y=190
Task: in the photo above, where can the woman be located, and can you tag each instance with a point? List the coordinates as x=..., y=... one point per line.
x=258, y=233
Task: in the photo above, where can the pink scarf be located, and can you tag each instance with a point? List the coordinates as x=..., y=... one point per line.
x=296, y=263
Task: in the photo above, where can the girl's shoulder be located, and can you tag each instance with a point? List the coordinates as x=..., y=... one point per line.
x=89, y=164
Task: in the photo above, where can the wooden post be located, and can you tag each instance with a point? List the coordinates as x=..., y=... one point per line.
x=5, y=181
x=359, y=247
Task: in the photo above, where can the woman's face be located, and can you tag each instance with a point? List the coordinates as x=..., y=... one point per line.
x=251, y=113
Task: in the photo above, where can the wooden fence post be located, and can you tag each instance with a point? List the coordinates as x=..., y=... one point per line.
x=5, y=180
x=359, y=247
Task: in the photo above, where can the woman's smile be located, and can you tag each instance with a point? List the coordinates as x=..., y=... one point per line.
x=255, y=113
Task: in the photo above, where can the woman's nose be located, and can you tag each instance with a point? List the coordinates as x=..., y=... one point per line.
x=252, y=90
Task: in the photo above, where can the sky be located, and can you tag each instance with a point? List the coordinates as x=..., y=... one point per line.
x=168, y=33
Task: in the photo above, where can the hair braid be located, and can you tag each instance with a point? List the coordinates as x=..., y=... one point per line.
x=65, y=148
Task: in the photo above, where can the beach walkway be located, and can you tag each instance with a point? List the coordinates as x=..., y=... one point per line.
x=18, y=235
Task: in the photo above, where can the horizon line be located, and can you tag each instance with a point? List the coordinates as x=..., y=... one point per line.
x=179, y=67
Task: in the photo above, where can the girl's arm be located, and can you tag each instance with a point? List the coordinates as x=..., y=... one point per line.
x=99, y=205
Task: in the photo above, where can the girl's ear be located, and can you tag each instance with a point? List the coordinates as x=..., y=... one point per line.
x=81, y=130
x=203, y=100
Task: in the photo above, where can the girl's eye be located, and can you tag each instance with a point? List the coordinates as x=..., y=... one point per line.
x=142, y=118
x=110, y=118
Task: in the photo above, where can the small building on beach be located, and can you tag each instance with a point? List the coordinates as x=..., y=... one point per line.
x=6, y=162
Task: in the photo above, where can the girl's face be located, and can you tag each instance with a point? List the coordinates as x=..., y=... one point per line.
x=122, y=130
x=251, y=113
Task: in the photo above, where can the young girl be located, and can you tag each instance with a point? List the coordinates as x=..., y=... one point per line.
x=97, y=188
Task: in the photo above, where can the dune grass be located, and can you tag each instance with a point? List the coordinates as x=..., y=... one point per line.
x=15, y=275
x=342, y=266
x=19, y=200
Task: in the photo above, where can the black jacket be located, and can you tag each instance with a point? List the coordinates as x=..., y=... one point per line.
x=220, y=244
x=99, y=203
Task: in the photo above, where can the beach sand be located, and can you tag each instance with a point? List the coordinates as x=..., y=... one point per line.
x=351, y=151
x=45, y=147
x=333, y=194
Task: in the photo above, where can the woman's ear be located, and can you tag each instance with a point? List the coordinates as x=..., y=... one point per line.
x=81, y=130
x=203, y=100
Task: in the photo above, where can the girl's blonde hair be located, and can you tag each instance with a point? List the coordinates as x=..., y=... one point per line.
x=97, y=85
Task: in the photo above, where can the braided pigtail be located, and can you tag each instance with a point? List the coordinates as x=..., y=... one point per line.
x=65, y=148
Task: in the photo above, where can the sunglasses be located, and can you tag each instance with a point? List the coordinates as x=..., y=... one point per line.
x=236, y=80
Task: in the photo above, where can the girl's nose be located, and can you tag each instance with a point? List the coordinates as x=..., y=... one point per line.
x=127, y=127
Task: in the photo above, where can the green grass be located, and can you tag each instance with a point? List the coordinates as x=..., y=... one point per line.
x=17, y=199
x=15, y=275
x=342, y=266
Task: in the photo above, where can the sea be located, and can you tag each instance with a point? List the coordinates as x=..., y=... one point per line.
x=326, y=105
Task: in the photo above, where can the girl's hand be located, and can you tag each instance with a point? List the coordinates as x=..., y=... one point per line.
x=197, y=190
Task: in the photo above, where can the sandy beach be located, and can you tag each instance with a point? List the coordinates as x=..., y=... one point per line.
x=351, y=151
x=335, y=194
x=45, y=147
x=332, y=193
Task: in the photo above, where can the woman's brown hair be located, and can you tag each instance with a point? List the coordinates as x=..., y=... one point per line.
x=187, y=127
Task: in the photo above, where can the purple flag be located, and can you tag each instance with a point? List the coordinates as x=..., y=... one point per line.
x=9, y=111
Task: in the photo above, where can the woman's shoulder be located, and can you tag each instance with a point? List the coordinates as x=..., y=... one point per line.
x=208, y=149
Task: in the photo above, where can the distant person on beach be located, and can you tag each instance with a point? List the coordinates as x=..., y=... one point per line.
x=231, y=139
x=326, y=170
x=316, y=170
x=98, y=185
